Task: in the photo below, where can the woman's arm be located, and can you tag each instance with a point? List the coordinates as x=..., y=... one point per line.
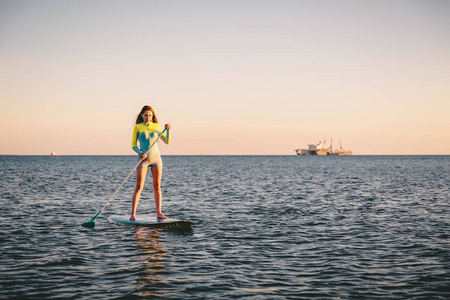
x=134, y=140
x=166, y=137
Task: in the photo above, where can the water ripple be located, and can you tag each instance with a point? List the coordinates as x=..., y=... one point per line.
x=265, y=228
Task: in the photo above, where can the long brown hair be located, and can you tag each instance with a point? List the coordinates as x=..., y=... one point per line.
x=140, y=119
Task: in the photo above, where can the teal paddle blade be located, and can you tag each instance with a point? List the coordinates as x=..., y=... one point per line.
x=91, y=222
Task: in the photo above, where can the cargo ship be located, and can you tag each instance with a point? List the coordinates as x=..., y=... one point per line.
x=320, y=149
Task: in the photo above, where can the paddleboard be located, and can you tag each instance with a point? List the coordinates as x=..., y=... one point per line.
x=151, y=222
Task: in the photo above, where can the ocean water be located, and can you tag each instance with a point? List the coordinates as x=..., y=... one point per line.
x=265, y=227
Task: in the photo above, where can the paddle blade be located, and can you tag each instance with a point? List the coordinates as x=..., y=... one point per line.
x=91, y=222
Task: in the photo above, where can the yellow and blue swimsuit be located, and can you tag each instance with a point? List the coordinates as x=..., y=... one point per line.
x=146, y=135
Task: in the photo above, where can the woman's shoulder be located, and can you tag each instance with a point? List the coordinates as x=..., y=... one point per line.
x=155, y=126
x=139, y=125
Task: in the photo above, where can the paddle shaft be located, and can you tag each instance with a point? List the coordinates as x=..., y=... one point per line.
x=159, y=135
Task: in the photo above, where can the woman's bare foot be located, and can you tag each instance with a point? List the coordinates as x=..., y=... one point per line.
x=132, y=218
x=161, y=216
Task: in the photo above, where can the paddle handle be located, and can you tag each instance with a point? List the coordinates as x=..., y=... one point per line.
x=159, y=135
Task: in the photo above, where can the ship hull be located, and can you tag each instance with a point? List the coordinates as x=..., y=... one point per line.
x=321, y=152
x=308, y=152
x=345, y=153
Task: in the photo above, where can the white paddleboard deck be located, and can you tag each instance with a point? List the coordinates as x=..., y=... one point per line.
x=147, y=221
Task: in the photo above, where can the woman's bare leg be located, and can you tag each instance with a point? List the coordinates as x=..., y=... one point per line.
x=140, y=180
x=157, y=174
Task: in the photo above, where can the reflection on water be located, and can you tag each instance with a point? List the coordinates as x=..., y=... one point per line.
x=153, y=256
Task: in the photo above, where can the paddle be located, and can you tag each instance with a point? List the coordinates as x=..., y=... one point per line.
x=91, y=222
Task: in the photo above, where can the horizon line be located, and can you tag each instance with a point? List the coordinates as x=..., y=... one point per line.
x=59, y=155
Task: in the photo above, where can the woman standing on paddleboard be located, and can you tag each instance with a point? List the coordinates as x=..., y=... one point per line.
x=146, y=132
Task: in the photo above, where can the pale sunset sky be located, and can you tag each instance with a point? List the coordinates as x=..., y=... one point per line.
x=232, y=77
